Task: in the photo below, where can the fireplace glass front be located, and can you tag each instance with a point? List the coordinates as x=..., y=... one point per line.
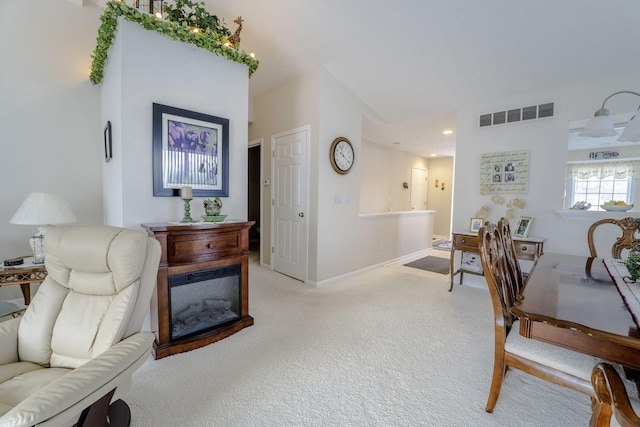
x=203, y=299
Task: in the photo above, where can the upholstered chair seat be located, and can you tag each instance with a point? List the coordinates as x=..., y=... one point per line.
x=80, y=339
x=567, y=361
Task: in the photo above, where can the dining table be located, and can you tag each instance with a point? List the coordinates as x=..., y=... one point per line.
x=579, y=303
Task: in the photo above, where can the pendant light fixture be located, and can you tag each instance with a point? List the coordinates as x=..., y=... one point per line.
x=601, y=124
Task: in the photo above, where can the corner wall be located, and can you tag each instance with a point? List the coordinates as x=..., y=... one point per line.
x=146, y=67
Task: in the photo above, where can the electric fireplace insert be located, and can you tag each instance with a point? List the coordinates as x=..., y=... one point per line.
x=204, y=299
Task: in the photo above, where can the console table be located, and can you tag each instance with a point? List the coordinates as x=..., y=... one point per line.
x=23, y=275
x=529, y=248
x=191, y=255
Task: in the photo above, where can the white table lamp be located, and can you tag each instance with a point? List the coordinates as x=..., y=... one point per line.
x=42, y=210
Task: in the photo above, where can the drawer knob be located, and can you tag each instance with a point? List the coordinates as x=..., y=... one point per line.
x=524, y=248
x=210, y=245
x=464, y=240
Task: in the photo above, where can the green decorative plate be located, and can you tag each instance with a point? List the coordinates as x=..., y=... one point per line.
x=214, y=218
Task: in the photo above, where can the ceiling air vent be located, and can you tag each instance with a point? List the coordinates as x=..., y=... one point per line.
x=516, y=115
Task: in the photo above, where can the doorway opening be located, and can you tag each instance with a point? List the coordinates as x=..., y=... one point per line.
x=253, y=194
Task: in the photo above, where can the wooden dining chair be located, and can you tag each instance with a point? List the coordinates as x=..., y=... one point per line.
x=627, y=241
x=514, y=270
x=612, y=399
x=546, y=361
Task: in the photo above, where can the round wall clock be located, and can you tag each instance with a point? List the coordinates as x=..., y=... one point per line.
x=341, y=155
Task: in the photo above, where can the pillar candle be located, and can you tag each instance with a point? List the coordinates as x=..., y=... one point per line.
x=186, y=193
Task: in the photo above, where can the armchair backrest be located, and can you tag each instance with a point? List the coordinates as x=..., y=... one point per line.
x=626, y=240
x=96, y=293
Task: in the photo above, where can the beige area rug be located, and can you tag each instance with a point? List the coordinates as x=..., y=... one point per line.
x=385, y=348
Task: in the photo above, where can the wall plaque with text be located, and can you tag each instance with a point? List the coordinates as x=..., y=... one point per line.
x=505, y=172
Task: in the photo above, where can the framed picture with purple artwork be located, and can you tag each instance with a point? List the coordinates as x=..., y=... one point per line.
x=189, y=149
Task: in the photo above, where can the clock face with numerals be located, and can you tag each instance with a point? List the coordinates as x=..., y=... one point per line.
x=341, y=155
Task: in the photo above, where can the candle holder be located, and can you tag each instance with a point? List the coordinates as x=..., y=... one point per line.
x=187, y=210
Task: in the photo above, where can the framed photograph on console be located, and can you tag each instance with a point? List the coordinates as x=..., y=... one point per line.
x=522, y=229
x=189, y=149
x=475, y=224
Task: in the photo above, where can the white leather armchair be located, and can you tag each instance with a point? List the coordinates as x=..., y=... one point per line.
x=80, y=339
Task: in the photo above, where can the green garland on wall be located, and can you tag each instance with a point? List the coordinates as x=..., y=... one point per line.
x=205, y=39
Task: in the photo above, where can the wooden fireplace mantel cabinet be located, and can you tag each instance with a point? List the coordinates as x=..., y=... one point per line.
x=191, y=248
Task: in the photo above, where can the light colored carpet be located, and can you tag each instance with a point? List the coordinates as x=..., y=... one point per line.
x=390, y=347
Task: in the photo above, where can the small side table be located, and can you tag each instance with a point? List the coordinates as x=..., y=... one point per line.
x=528, y=248
x=23, y=275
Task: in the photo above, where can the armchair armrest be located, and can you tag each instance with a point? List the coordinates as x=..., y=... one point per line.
x=9, y=340
x=62, y=401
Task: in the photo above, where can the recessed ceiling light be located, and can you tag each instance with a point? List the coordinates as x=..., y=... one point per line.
x=447, y=132
x=433, y=155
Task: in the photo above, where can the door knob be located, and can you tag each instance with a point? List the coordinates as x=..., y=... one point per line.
x=301, y=214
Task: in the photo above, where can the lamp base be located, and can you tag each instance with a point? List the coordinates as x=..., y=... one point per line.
x=37, y=246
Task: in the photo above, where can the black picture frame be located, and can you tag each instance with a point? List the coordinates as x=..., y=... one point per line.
x=108, y=145
x=189, y=149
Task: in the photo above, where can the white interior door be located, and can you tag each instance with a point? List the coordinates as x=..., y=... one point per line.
x=290, y=202
x=418, y=189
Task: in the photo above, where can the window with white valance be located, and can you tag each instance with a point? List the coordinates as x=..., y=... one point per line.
x=598, y=182
x=600, y=170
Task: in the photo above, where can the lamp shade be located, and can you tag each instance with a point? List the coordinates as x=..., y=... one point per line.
x=602, y=125
x=598, y=126
x=632, y=131
x=43, y=209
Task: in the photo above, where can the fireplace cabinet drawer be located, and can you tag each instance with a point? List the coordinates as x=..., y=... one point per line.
x=197, y=247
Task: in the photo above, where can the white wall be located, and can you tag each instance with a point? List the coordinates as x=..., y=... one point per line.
x=288, y=106
x=383, y=172
x=50, y=114
x=340, y=240
x=547, y=141
x=145, y=67
x=340, y=114
x=440, y=198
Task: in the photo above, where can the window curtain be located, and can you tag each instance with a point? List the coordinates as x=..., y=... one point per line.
x=603, y=170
